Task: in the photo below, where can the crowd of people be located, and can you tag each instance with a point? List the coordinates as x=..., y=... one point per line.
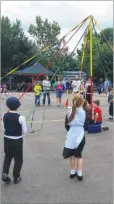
x=16, y=86
x=75, y=86
x=60, y=86
x=43, y=88
x=103, y=86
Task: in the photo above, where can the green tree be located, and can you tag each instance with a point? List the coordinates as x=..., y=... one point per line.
x=44, y=32
x=108, y=33
x=102, y=56
x=15, y=46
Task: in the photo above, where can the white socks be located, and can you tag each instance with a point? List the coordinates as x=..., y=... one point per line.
x=73, y=171
x=79, y=172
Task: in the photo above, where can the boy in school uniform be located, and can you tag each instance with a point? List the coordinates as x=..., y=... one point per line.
x=14, y=128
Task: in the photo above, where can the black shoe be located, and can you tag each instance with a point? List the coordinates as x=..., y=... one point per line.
x=17, y=180
x=110, y=118
x=72, y=175
x=6, y=178
x=80, y=178
x=105, y=128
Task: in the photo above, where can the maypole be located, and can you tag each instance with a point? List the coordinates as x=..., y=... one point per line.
x=91, y=61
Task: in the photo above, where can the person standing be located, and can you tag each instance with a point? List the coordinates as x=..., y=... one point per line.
x=14, y=128
x=67, y=85
x=75, y=140
x=110, y=101
x=111, y=110
x=88, y=90
x=4, y=89
x=82, y=89
x=46, y=90
x=64, y=83
x=106, y=85
x=59, y=86
x=76, y=85
x=37, y=90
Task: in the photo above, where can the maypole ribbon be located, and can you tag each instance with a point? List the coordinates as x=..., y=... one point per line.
x=85, y=44
x=101, y=32
x=72, y=29
x=79, y=40
x=58, y=53
x=83, y=54
x=44, y=49
x=102, y=62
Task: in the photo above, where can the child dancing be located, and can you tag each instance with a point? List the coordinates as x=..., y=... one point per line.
x=14, y=126
x=75, y=141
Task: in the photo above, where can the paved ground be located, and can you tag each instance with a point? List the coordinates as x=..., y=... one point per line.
x=45, y=175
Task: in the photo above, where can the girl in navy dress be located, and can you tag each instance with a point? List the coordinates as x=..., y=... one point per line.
x=75, y=140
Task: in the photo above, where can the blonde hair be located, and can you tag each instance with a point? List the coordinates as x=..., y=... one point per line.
x=77, y=102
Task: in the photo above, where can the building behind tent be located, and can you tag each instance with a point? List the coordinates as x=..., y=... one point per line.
x=70, y=75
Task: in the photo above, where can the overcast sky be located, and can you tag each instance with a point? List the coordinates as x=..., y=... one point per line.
x=66, y=13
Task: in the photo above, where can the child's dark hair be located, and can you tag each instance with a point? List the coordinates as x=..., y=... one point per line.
x=58, y=78
x=46, y=76
x=85, y=104
x=97, y=102
x=13, y=103
x=110, y=88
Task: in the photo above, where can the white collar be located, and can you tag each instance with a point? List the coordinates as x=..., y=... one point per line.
x=13, y=111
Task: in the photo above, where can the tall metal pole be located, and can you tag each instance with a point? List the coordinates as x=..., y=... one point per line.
x=91, y=62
